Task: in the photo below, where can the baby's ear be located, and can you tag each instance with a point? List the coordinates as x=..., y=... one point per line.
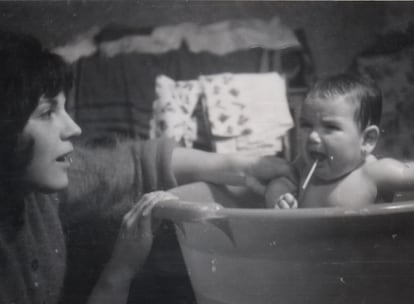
x=370, y=138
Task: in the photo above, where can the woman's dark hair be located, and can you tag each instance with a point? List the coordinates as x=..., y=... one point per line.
x=27, y=72
x=359, y=89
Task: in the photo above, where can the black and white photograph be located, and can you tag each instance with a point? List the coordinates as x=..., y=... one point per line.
x=206, y=152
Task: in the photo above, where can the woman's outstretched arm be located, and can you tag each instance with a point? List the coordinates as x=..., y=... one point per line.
x=237, y=169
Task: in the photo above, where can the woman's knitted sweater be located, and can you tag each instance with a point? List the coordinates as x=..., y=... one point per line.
x=104, y=183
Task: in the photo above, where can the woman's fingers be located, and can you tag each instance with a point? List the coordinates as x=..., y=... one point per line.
x=255, y=185
x=143, y=202
x=135, y=237
x=138, y=220
x=143, y=208
x=144, y=225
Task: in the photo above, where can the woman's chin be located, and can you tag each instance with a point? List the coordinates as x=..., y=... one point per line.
x=50, y=187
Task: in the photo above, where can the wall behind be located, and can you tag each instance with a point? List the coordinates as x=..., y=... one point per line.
x=398, y=15
x=336, y=31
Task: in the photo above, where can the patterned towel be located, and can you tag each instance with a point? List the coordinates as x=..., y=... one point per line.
x=246, y=112
x=173, y=109
x=252, y=107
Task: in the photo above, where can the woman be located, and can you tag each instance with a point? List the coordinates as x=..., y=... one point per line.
x=38, y=160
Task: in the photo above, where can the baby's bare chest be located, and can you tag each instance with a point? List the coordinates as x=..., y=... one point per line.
x=355, y=190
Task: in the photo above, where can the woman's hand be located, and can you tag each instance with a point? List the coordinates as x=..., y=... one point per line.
x=135, y=236
x=130, y=252
x=266, y=168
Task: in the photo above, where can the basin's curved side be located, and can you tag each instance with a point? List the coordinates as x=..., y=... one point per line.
x=297, y=256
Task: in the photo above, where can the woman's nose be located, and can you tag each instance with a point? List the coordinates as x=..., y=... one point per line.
x=71, y=128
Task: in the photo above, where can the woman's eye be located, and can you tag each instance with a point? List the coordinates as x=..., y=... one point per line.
x=47, y=114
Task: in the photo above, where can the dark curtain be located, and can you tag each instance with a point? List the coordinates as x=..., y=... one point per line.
x=115, y=95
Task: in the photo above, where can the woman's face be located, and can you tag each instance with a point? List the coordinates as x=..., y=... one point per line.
x=51, y=129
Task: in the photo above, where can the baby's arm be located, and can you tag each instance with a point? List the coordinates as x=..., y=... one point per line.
x=281, y=193
x=392, y=175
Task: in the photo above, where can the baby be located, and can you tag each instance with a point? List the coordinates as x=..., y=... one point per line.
x=338, y=131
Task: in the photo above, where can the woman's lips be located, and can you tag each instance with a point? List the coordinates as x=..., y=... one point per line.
x=60, y=159
x=65, y=158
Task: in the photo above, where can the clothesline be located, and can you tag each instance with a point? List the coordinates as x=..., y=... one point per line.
x=218, y=38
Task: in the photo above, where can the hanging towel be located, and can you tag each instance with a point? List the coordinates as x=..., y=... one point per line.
x=227, y=112
x=251, y=107
x=246, y=112
x=173, y=109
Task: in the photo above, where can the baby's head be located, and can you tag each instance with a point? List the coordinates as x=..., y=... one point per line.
x=339, y=124
x=362, y=92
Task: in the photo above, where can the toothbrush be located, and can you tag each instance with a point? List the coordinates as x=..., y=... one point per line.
x=308, y=177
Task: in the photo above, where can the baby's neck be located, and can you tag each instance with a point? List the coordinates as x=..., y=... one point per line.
x=349, y=190
x=316, y=181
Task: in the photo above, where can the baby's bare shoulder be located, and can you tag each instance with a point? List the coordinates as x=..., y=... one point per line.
x=389, y=173
x=382, y=165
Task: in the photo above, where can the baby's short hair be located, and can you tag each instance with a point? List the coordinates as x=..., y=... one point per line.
x=357, y=88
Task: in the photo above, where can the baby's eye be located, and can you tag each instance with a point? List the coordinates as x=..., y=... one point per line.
x=332, y=127
x=304, y=124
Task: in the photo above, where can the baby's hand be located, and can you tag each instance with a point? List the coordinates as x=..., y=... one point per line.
x=279, y=193
x=286, y=201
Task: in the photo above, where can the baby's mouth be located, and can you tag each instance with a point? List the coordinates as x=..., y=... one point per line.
x=319, y=156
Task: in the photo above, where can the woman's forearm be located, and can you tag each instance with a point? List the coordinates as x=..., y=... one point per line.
x=232, y=169
x=130, y=252
x=112, y=286
x=194, y=165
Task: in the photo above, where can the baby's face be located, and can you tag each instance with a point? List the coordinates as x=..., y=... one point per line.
x=329, y=133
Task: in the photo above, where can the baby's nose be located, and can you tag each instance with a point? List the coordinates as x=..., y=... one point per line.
x=314, y=137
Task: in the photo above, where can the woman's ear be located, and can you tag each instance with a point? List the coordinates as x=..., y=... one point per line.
x=370, y=138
